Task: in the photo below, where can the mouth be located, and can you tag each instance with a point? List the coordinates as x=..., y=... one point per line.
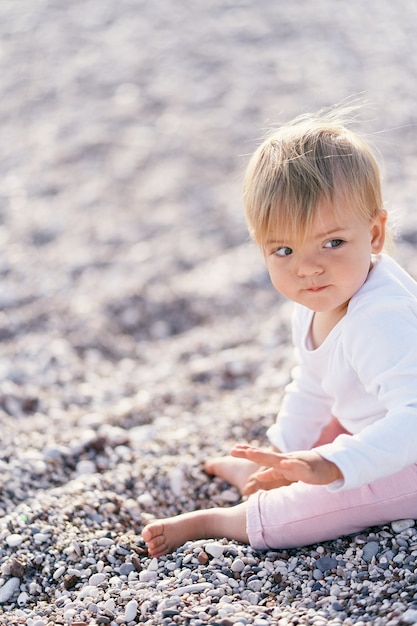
x=316, y=289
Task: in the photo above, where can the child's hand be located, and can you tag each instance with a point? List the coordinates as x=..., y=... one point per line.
x=307, y=466
x=260, y=480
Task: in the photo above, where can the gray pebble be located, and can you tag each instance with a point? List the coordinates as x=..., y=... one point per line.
x=370, y=550
x=8, y=589
x=326, y=563
x=126, y=569
x=237, y=566
x=400, y=525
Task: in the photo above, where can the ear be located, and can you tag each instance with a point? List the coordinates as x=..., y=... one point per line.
x=377, y=230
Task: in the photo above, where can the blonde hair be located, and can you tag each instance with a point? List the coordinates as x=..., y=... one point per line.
x=314, y=157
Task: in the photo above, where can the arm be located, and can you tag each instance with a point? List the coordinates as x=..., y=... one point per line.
x=380, y=346
x=305, y=408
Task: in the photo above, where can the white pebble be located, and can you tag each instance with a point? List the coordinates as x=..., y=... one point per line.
x=110, y=605
x=40, y=538
x=153, y=565
x=228, y=495
x=227, y=600
x=96, y=579
x=145, y=608
x=14, y=540
x=58, y=573
x=85, y=467
x=38, y=467
x=410, y=616
x=226, y=610
x=23, y=598
x=215, y=549
x=222, y=578
x=105, y=542
x=5, y=569
x=196, y=588
x=255, y=585
x=251, y=597
x=335, y=590
x=146, y=576
x=131, y=610
x=176, y=479
x=100, y=566
x=74, y=571
x=69, y=614
x=34, y=588
x=133, y=509
x=89, y=591
x=146, y=500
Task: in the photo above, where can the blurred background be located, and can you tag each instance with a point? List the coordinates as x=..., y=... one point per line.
x=125, y=130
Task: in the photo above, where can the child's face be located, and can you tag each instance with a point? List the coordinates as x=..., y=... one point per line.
x=326, y=268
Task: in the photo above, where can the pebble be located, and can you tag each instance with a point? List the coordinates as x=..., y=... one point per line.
x=409, y=616
x=126, y=569
x=105, y=542
x=14, y=540
x=86, y=467
x=370, y=550
x=216, y=550
x=147, y=575
x=203, y=558
x=131, y=610
x=176, y=479
x=326, y=563
x=228, y=496
x=237, y=566
x=8, y=589
x=96, y=579
x=196, y=588
x=401, y=525
x=59, y=572
x=23, y=598
x=146, y=500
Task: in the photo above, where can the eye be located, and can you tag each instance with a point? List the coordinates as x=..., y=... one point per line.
x=283, y=251
x=334, y=243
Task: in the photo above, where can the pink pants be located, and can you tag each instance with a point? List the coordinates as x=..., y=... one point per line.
x=301, y=514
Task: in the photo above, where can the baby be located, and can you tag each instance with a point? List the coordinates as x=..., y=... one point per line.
x=344, y=447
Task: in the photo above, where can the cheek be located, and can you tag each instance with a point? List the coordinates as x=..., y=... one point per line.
x=273, y=274
x=278, y=279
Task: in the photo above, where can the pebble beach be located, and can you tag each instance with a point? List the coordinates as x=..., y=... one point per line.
x=139, y=332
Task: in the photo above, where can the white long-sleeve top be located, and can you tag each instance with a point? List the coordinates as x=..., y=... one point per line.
x=364, y=374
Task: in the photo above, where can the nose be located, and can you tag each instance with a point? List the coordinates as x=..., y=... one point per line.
x=309, y=265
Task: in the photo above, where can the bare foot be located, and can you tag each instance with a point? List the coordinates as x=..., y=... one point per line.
x=234, y=471
x=163, y=536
